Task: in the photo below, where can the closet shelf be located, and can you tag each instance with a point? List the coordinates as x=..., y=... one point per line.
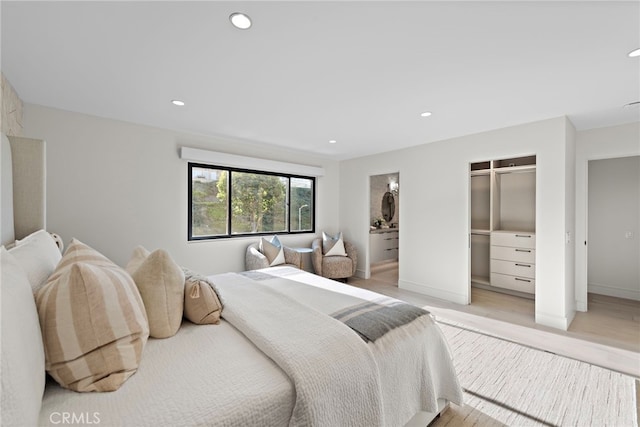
x=480, y=280
x=480, y=231
x=515, y=169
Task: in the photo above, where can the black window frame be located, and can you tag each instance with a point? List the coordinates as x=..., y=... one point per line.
x=229, y=170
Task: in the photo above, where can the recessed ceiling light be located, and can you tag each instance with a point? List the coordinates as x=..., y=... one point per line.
x=177, y=102
x=332, y=141
x=426, y=114
x=240, y=20
x=634, y=53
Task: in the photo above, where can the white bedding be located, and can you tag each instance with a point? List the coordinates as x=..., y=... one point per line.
x=214, y=375
x=333, y=371
x=204, y=375
x=414, y=361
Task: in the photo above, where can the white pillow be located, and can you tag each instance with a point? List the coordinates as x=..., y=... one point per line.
x=38, y=255
x=274, y=254
x=274, y=240
x=23, y=374
x=333, y=245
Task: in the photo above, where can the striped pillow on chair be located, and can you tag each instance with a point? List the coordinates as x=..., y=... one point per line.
x=93, y=322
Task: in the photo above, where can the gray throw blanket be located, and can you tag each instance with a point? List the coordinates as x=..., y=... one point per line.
x=372, y=320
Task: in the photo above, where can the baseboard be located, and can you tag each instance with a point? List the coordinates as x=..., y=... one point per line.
x=558, y=322
x=595, y=288
x=503, y=290
x=362, y=274
x=433, y=292
x=570, y=317
x=581, y=306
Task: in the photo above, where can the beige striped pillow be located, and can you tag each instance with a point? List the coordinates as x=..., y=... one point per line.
x=93, y=322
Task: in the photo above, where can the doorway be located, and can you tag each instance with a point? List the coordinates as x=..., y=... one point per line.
x=502, y=225
x=384, y=227
x=613, y=224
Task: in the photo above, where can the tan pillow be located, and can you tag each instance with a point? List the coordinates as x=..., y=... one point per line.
x=201, y=303
x=161, y=284
x=79, y=252
x=137, y=258
x=93, y=322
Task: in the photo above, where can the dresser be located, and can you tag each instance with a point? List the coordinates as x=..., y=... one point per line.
x=513, y=258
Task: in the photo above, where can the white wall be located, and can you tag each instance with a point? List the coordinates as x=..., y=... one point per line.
x=115, y=185
x=602, y=143
x=434, y=237
x=614, y=222
x=570, y=222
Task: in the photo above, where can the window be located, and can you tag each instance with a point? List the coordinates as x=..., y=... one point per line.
x=227, y=202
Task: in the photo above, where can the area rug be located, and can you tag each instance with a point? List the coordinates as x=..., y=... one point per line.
x=509, y=384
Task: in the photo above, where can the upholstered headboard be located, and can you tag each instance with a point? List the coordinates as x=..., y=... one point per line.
x=6, y=196
x=23, y=197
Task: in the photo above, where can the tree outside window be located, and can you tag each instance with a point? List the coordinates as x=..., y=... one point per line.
x=208, y=212
x=227, y=202
x=301, y=204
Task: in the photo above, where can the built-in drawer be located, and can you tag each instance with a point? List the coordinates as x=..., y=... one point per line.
x=521, y=284
x=521, y=269
x=384, y=246
x=390, y=240
x=514, y=239
x=391, y=253
x=513, y=254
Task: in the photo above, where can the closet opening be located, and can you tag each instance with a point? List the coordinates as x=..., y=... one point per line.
x=502, y=230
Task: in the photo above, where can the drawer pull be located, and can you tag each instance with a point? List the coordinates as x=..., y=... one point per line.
x=523, y=235
x=523, y=280
x=524, y=250
x=389, y=238
x=523, y=265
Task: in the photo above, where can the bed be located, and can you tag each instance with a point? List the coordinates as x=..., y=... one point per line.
x=292, y=348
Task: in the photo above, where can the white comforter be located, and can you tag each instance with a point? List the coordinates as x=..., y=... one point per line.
x=205, y=375
x=215, y=375
x=334, y=373
x=413, y=362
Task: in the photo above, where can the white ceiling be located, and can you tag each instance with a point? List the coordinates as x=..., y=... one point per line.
x=307, y=72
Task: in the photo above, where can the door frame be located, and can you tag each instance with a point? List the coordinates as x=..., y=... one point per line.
x=582, y=227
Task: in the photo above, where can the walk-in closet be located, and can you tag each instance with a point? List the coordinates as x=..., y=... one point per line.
x=503, y=225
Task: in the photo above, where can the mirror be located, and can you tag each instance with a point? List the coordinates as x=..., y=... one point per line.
x=388, y=206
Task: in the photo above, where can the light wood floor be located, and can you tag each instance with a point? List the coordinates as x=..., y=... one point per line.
x=607, y=335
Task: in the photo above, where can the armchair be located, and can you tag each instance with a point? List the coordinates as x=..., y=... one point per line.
x=334, y=267
x=254, y=259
